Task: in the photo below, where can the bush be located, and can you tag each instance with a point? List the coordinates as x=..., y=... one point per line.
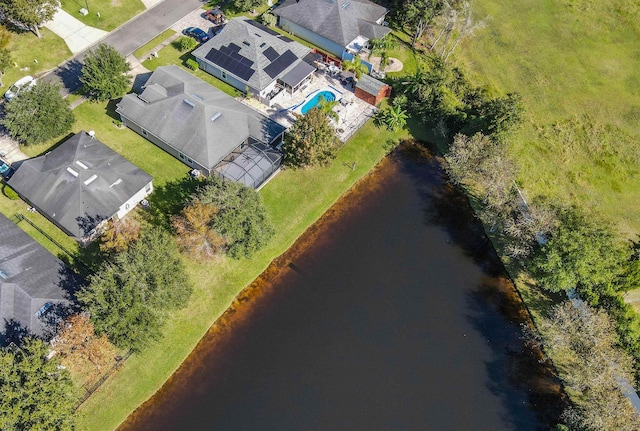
x=10, y=193
x=185, y=43
x=192, y=64
x=268, y=18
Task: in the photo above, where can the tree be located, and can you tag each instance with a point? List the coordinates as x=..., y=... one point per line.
x=29, y=14
x=186, y=43
x=35, y=393
x=326, y=106
x=356, y=66
x=105, y=73
x=592, y=366
x=194, y=232
x=77, y=342
x=38, y=114
x=5, y=36
x=247, y=5
x=502, y=114
x=241, y=217
x=392, y=117
x=418, y=15
x=130, y=297
x=119, y=234
x=268, y=19
x=6, y=60
x=311, y=141
x=582, y=253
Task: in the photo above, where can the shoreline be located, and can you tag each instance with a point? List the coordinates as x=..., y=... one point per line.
x=504, y=292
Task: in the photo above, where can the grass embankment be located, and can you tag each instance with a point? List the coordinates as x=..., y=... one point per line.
x=112, y=13
x=295, y=199
x=146, y=48
x=576, y=66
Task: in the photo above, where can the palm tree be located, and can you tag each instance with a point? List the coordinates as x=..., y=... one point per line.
x=355, y=66
x=393, y=118
x=327, y=106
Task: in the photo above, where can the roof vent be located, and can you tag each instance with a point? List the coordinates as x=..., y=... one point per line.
x=244, y=42
x=3, y=275
x=116, y=182
x=82, y=165
x=195, y=96
x=215, y=116
x=91, y=179
x=72, y=172
x=189, y=102
x=345, y=5
x=92, y=134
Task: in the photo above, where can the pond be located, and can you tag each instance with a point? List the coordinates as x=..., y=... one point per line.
x=390, y=313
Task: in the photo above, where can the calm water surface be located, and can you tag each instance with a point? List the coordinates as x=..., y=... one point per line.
x=389, y=314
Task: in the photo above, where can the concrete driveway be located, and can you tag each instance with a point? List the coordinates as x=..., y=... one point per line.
x=76, y=35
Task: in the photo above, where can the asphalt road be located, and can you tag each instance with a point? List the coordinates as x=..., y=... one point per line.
x=128, y=37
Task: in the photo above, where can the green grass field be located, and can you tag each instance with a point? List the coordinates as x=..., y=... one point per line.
x=576, y=64
x=113, y=13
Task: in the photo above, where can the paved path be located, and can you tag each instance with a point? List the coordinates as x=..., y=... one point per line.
x=128, y=37
x=77, y=35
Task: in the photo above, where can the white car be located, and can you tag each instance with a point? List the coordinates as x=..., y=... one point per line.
x=22, y=83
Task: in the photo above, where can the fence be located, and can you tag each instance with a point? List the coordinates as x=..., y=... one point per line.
x=349, y=129
x=90, y=389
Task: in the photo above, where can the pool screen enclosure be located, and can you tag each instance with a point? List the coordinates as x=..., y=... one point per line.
x=250, y=164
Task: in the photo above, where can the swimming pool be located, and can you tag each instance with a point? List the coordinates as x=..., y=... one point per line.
x=313, y=102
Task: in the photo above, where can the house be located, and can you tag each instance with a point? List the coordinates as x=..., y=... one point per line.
x=371, y=90
x=340, y=27
x=203, y=127
x=35, y=286
x=81, y=184
x=255, y=59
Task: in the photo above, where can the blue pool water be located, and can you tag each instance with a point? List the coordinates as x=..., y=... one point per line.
x=313, y=102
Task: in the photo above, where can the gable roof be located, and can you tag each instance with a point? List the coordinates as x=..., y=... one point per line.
x=369, y=84
x=340, y=21
x=30, y=278
x=252, y=52
x=194, y=117
x=79, y=183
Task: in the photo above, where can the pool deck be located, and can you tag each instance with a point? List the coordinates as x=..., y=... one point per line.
x=352, y=112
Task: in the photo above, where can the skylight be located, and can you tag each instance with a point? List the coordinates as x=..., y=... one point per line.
x=116, y=182
x=82, y=165
x=215, y=116
x=189, y=102
x=3, y=275
x=72, y=172
x=91, y=179
x=244, y=42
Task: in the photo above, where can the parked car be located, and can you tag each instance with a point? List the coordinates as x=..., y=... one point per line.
x=5, y=170
x=197, y=33
x=215, y=16
x=21, y=84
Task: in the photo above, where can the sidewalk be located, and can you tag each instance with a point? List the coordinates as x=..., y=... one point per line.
x=77, y=35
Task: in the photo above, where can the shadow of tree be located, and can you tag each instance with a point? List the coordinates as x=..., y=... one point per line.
x=169, y=199
x=14, y=332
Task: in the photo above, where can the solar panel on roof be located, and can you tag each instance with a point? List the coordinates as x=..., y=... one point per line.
x=236, y=64
x=285, y=39
x=280, y=64
x=233, y=47
x=270, y=53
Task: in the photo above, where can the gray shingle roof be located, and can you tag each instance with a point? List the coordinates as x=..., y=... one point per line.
x=79, y=183
x=258, y=45
x=369, y=84
x=30, y=277
x=183, y=119
x=340, y=21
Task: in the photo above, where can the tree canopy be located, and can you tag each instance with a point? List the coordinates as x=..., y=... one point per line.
x=241, y=217
x=311, y=141
x=194, y=233
x=129, y=298
x=35, y=393
x=30, y=14
x=105, y=73
x=38, y=114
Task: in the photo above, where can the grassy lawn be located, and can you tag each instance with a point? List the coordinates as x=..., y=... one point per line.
x=576, y=66
x=295, y=199
x=113, y=13
x=144, y=49
x=49, y=51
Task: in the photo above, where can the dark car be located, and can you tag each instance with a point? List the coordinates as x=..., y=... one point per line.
x=196, y=33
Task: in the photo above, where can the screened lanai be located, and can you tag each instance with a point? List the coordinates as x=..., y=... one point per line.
x=250, y=164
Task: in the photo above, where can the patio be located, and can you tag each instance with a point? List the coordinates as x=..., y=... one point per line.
x=352, y=112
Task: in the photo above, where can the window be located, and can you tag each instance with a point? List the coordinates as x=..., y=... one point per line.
x=224, y=75
x=181, y=156
x=147, y=188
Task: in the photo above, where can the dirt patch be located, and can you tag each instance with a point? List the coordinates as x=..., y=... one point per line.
x=393, y=64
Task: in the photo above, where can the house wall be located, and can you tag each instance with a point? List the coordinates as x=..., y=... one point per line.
x=373, y=99
x=319, y=41
x=166, y=147
x=134, y=200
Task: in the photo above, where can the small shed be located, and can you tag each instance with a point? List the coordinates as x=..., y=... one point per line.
x=371, y=90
